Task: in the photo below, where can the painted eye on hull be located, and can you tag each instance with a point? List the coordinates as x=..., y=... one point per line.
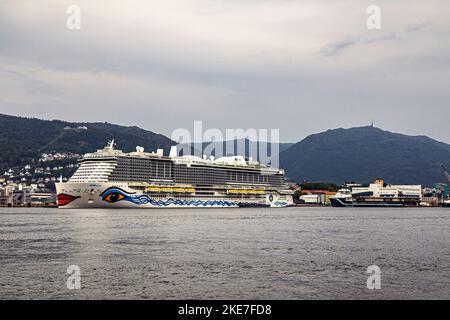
x=114, y=197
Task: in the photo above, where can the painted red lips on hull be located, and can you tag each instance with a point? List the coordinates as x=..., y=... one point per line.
x=64, y=199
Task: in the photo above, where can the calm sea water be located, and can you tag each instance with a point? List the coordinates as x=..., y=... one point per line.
x=291, y=253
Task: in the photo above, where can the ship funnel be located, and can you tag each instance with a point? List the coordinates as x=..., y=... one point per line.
x=173, y=152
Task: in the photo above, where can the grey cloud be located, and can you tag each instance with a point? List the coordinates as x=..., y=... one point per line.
x=300, y=66
x=385, y=37
x=417, y=27
x=336, y=48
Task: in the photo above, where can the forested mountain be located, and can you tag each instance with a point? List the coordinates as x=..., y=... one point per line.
x=365, y=153
x=23, y=140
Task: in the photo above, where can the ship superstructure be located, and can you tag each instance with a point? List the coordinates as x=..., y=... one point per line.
x=112, y=178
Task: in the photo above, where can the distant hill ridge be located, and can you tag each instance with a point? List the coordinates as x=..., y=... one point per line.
x=339, y=155
x=364, y=153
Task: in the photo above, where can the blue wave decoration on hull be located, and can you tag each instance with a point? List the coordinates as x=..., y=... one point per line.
x=113, y=195
x=143, y=199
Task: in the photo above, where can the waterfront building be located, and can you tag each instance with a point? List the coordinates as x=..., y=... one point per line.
x=379, y=189
x=378, y=194
x=323, y=196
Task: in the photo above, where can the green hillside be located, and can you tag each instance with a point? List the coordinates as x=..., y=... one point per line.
x=365, y=153
x=23, y=140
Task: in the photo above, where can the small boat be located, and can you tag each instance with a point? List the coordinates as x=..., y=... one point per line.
x=343, y=198
x=446, y=204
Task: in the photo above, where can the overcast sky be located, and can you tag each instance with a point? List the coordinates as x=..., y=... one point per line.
x=300, y=66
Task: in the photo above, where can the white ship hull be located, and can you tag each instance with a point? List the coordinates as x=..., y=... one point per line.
x=120, y=195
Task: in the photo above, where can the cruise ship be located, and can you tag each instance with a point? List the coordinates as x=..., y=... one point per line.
x=110, y=178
